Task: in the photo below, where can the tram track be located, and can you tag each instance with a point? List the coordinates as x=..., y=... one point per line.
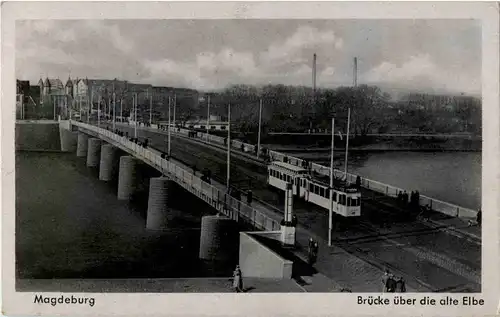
x=375, y=213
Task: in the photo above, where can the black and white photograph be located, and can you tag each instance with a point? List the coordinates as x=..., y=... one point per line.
x=251, y=155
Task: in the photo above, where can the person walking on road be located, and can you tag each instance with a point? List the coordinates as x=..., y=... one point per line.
x=249, y=197
x=390, y=284
x=311, y=251
x=384, y=281
x=237, y=280
x=400, y=285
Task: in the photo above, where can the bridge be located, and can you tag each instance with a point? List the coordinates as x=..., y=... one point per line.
x=360, y=252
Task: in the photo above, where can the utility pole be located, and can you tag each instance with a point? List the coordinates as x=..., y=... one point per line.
x=314, y=91
x=169, y=127
x=347, y=141
x=99, y=111
x=151, y=109
x=228, y=178
x=114, y=110
x=330, y=215
x=175, y=106
x=208, y=118
x=260, y=124
x=135, y=115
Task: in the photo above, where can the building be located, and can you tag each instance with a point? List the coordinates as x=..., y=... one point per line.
x=22, y=87
x=53, y=94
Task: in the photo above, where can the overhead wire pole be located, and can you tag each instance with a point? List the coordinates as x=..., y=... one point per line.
x=314, y=91
x=114, y=110
x=208, y=118
x=88, y=107
x=99, y=111
x=228, y=178
x=91, y=102
x=169, y=127
x=121, y=109
x=175, y=106
x=260, y=123
x=135, y=115
x=330, y=215
x=151, y=109
x=355, y=84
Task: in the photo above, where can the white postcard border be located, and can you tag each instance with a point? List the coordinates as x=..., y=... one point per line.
x=16, y=303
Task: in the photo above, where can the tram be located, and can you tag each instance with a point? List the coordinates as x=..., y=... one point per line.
x=346, y=200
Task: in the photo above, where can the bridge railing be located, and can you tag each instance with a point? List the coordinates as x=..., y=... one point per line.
x=389, y=190
x=217, y=198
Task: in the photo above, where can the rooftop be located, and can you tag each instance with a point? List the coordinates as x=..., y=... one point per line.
x=289, y=166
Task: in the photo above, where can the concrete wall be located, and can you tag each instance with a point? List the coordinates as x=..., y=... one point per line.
x=37, y=137
x=257, y=260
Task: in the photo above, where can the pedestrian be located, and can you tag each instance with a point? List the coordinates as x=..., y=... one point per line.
x=417, y=198
x=405, y=197
x=400, y=196
x=237, y=280
x=385, y=277
x=400, y=285
x=311, y=251
x=315, y=251
x=358, y=181
x=249, y=197
x=390, y=284
x=294, y=221
x=479, y=217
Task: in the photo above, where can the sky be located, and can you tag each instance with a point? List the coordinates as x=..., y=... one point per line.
x=418, y=55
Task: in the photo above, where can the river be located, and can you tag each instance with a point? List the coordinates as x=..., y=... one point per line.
x=71, y=225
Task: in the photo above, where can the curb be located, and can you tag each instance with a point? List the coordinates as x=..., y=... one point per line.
x=456, y=232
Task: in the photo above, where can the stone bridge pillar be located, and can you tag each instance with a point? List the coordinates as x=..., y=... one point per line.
x=127, y=177
x=109, y=162
x=82, y=145
x=218, y=238
x=94, y=152
x=68, y=140
x=161, y=190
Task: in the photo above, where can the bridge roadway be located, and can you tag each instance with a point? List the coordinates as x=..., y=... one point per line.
x=385, y=236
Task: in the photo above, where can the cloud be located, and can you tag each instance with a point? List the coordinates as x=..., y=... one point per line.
x=420, y=71
x=304, y=38
x=213, y=54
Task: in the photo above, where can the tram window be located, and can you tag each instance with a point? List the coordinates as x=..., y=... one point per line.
x=342, y=199
x=348, y=201
x=355, y=202
x=327, y=193
x=316, y=190
x=322, y=192
x=334, y=196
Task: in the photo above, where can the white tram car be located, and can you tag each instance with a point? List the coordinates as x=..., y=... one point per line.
x=346, y=201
